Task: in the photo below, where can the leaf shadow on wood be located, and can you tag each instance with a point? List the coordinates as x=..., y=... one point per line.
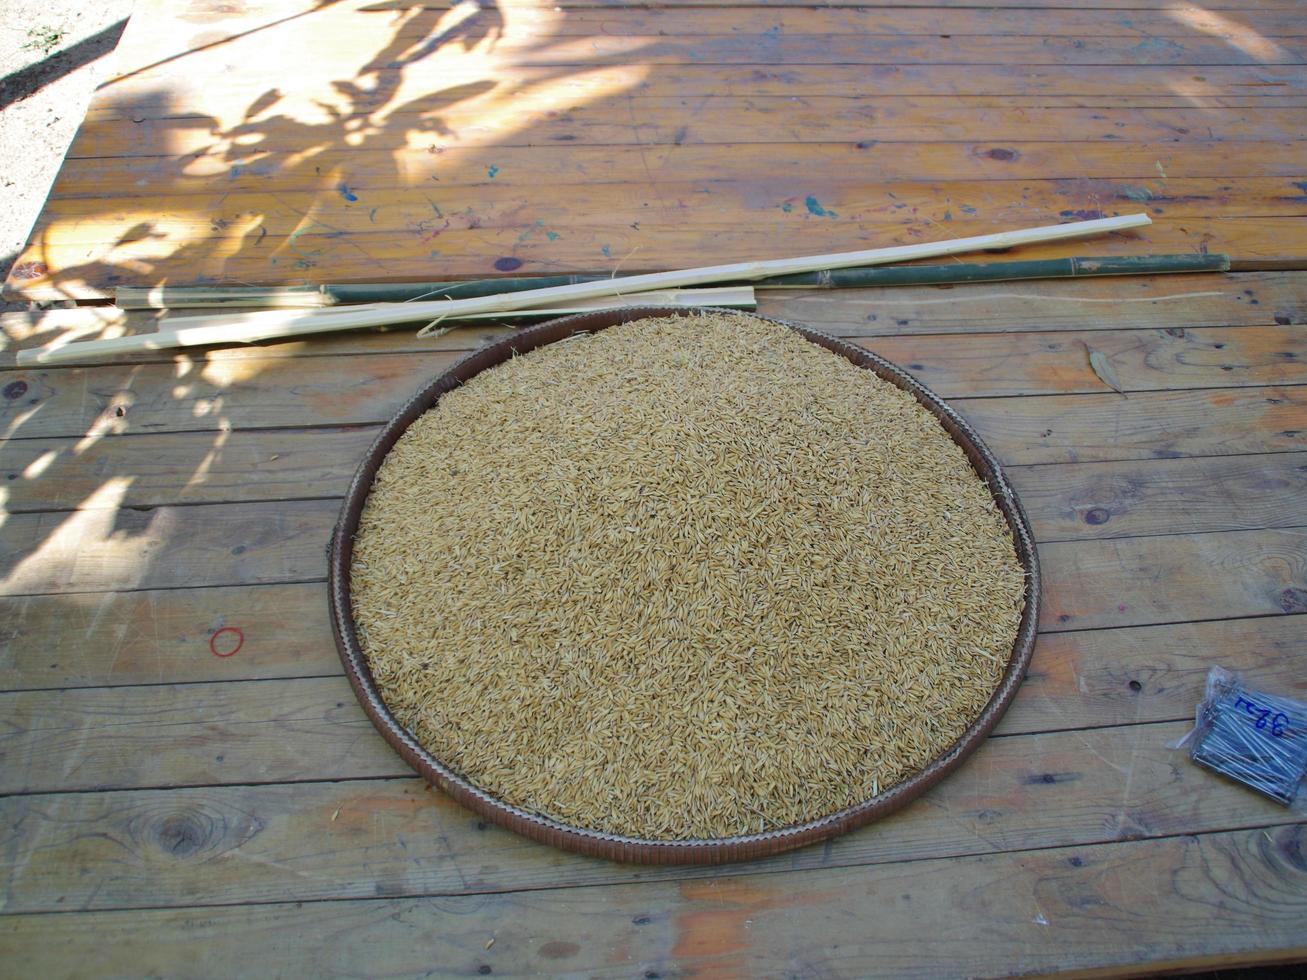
x=300, y=133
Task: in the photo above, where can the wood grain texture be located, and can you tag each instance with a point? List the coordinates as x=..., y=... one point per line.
x=1181, y=902
x=264, y=844
x=496, y=111
x=150, y=128
x=794, y=48
x=166, y=636
x=1158, y=302
x=406, y=255
x=693, y=21
x=1151, y=425
x=789, y=164
x=1126, y=675
x=1090, y=585
x=220, y=396
x=1221, y=5
x=1031, y=364
x=182, y=468
x=171, y=85
x=1127, y=499
x=177, y=727
x=107, y=550
x=266, y=226
x=195, y=734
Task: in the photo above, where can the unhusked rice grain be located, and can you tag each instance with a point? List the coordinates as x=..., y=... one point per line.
x=688, y=577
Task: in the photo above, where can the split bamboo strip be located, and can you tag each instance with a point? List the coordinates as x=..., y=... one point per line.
x=269, y=324
x=92, y=319
x=733, y=297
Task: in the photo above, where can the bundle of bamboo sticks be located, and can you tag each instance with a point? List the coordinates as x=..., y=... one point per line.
x=250, y=327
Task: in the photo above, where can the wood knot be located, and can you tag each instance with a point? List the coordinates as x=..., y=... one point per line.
x=1293, y=600
x=1289, y=845
x=191, y=830
x=182, y=834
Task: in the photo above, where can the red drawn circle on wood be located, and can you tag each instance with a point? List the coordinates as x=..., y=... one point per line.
x=213, y=642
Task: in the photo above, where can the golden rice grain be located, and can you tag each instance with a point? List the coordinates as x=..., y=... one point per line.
x=685, y=578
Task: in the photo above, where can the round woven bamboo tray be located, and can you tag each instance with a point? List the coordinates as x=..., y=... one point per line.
x=632, y=849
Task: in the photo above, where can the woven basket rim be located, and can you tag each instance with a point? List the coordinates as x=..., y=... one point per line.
x=634, y=849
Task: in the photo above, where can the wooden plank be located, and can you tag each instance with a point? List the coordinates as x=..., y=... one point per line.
x=1246, y=24
x=1150, y=425
x=59, y=402
x=154, y=130
x=148, y=109
x=1127, y=675
x=173, y=636
x=1222, y=5
x=182, y=468
x=735, y=122
x=1034, y=363
x=958, y=22
x=1163, y=496
x=332, y=43
x=1157, y=302
x=219, y=396
x=217, y=214
x=50, y=270
x=179, y=87
x=1183, y=903
x=307, y=842
x=24, y=329
x=1169, y=579
x=196, y=734
x=368, y=171
x=100, y=549
x=268, y=222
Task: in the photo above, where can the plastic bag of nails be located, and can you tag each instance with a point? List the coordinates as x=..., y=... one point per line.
x=1256, y=738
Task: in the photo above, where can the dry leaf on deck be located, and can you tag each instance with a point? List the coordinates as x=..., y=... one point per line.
x=1103, y=368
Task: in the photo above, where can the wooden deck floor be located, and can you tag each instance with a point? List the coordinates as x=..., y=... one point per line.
x=191, y=788
x=268, y=141
x=187, y=785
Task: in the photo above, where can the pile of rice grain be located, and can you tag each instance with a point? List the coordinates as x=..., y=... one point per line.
x=683, y=578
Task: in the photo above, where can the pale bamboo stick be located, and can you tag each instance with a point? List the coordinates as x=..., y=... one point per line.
x=735, y=297
x=270, y=324
x=82, y=320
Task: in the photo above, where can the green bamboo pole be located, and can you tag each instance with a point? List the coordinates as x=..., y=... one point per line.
x=181, y=297
x=959, y=272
